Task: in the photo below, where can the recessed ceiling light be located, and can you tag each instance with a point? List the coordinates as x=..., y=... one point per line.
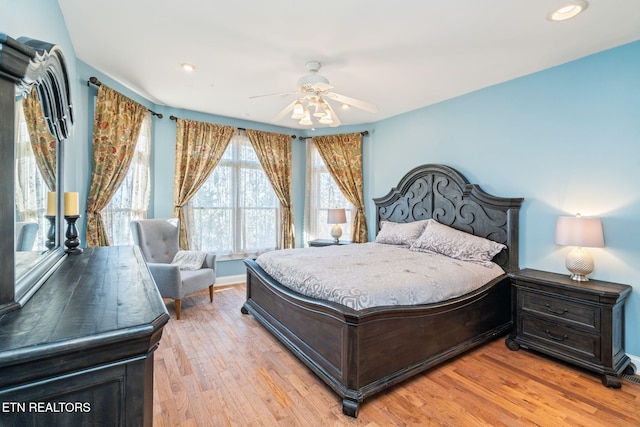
x=188, y=67
x=568, y=10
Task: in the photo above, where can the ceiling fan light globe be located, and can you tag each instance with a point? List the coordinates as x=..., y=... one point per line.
x=321, y=110
x=298, y=111
x=326, y=119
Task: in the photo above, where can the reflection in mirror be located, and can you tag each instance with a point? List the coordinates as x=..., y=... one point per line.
x=35, y=183
x=27, y=64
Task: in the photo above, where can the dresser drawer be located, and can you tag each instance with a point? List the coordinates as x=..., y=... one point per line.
x=561, y=337
x=550, y=306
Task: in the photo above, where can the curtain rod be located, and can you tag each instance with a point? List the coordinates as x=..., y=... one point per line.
x=97, y=83
x=363, y=133
x=175, y=118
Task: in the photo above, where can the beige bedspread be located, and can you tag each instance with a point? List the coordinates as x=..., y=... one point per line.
x=372, y=274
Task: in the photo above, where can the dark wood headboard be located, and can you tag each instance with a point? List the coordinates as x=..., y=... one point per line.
x=444, y=194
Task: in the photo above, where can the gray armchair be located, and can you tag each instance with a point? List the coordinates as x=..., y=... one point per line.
x=159, y=242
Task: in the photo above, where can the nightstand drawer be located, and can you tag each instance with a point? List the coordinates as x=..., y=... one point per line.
x=584, y=315
x=564, y=339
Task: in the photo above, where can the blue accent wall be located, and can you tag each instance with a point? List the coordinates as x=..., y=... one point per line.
x=567, y=139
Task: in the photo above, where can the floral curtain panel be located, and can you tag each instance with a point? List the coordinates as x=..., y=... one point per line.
x=342, y=155
x=43, y=143
x=199, y=148
x=274, y=152
x=116, y=127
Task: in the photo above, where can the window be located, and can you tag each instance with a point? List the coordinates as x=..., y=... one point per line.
x=131, y=200
x=235, y=214
x=323, y=194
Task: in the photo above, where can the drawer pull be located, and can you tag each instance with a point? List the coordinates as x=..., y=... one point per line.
x=556, y=337
x=558, y=312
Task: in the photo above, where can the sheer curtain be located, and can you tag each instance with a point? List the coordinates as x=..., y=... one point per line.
x=236, y=212
x=322, y=193
x=131, y=199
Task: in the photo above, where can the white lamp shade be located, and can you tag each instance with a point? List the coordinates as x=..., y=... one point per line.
x=337, y=216
x=579, y=231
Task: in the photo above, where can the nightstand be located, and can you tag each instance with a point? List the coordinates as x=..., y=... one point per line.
x=328, y=242
x=578, y=322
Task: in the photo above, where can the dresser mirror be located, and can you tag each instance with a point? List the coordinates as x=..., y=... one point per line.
x=32, y=137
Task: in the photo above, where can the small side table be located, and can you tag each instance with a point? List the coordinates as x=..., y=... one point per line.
x=328, y=242
x=579, y=322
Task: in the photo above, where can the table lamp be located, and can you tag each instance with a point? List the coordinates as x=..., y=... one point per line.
x=580, y=232
x=336, y=217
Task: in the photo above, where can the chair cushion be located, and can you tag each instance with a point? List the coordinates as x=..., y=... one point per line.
x=196, y=280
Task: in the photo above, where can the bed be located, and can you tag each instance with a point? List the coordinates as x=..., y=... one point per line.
x=359, y=352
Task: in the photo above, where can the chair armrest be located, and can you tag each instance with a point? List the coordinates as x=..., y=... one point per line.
x=167, y=278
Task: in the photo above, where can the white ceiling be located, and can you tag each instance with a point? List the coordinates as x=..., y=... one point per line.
x=399, y=55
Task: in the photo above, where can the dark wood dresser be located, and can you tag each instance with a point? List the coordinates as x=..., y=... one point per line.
x=80, y=352
x=579, y=322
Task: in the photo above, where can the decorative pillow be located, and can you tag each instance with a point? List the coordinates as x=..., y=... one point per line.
x=189, y=260
x=453, y=243
x=400, y=233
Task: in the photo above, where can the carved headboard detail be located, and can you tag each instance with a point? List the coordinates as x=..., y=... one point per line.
x=444, y=194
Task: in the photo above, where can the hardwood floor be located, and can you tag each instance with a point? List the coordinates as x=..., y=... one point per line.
x=218, y=367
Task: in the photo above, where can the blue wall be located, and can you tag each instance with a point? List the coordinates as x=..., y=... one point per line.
x=567, y=139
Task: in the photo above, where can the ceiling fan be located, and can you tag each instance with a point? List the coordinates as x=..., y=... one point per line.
x=314, y=92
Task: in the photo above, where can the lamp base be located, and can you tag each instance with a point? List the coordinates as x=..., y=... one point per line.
x=580, y=263
x=336, y=232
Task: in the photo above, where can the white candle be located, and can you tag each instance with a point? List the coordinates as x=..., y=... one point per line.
x=51, y=203
x=71, y=204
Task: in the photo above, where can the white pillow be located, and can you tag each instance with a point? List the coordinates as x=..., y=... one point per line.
x=189, y=260
x=457, y=244
x=400, y=233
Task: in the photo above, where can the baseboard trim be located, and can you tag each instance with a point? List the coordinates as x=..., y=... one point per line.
x=230, y=280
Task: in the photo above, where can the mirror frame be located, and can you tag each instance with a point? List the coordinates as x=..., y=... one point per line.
x=26, y=63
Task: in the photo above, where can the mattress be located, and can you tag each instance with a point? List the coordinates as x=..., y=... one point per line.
x=368, y=275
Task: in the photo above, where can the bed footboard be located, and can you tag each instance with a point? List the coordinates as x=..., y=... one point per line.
x=359, y=353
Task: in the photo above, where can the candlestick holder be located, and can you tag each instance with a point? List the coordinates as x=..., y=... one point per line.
x=72, y=241
x=50, y=243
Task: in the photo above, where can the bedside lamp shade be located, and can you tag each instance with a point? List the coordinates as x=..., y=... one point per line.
x=580, y=232
x=335, y=217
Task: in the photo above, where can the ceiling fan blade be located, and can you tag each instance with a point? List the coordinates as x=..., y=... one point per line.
x=334, y=116
x=353, y=102
x=284, y=112
x=274, y=94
